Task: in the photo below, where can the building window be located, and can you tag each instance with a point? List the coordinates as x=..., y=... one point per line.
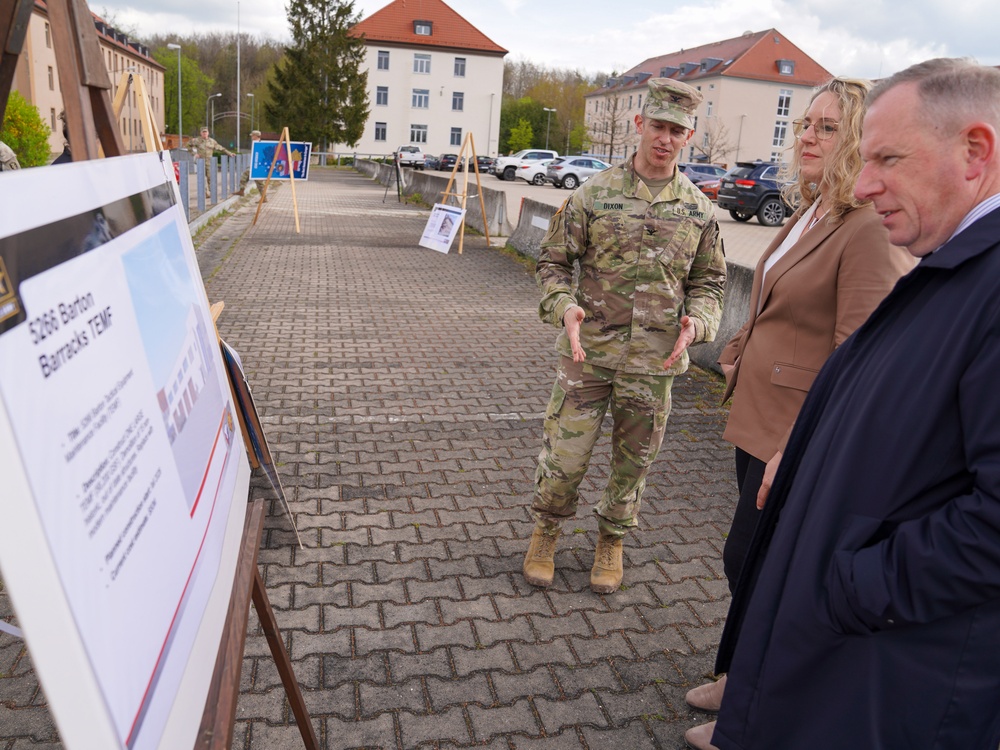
x=784, y=102
x=630, y=101
x=460, y=67
x=418, y=134
x=704, y=139
x=708, y=109
x=456, y=137
x=380, y=131
x=421, y=98
x=640, y=101
x=786, y=67
x=52, y=79
x=780, y=130
x=777, y=156
x=382, y=96
x=421, y=63
x=52, y=119
x=48, y=37
x=422, y=28
x=458, y=101
x=383, y=59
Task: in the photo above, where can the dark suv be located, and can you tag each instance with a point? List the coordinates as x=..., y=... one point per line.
x=752, y=189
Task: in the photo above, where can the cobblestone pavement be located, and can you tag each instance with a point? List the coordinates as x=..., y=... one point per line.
x=402, y=393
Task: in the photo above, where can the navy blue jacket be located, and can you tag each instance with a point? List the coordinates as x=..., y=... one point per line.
x=868, y=614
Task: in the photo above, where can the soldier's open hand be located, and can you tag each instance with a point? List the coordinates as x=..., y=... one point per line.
x=683, y=341
x=572, y=319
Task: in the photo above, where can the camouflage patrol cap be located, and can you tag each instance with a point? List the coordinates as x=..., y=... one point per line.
x=672, y=101
x=255, y=133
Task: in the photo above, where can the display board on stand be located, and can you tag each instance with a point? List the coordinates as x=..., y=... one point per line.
x=467, y=152
x=125, y=474
x=280, y=160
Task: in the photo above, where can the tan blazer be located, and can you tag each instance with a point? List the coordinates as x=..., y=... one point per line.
x=814, y=297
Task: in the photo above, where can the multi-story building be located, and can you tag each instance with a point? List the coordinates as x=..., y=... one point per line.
x=432, y=79
x=36, y=77
x=753, y=87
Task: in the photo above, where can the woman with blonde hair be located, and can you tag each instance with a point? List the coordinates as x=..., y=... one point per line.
x=818, y=280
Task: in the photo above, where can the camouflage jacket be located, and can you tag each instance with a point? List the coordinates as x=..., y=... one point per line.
x=203, y=148
x=644, y=261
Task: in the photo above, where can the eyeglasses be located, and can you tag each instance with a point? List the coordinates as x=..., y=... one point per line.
x=823, y=129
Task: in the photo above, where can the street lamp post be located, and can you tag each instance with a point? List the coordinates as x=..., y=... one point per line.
x=210, y=124
x=252, y=100
x=548, y=120
x=180, y=118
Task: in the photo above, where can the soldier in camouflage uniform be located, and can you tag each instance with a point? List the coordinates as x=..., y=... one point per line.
x=245, y=177
x=651, y=279
x=204, y=147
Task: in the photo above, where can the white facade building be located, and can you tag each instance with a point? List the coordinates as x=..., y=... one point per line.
x=433, y=78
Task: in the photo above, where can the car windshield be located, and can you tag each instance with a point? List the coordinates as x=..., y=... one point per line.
x=739, y=172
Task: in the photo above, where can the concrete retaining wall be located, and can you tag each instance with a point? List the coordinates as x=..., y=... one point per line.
x=431, y=186
x=532, y=225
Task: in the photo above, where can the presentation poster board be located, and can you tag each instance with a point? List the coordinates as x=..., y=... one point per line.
x=125, y=476
x=296, y=159
x=441, y=228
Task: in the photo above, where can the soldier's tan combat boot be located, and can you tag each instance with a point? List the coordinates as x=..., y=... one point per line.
x=606, y=575
x=539, y=562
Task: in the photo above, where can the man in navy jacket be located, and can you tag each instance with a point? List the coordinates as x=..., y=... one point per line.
x=868, y=614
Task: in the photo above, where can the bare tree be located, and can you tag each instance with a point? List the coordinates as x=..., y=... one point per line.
x=714, y=141
x=611, y=129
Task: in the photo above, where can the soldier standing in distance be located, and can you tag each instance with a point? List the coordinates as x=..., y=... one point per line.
x=204, y=147
x=651, y=281
x=245, y=177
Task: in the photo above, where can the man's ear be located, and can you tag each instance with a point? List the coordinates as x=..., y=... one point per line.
x=638, y=124
x=980, y=144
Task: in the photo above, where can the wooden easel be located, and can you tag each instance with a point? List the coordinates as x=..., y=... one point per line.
x=93, y=129
x=147, y=123
x=470, y=145
x=291, y=177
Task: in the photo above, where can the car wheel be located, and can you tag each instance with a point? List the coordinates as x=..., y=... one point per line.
x=538, y=179
x=771, y=213
x=740, y=215
x=570, y=182
x=509, y=172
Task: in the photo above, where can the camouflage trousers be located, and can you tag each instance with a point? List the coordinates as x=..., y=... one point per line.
x=581, y=396
x=245, y=180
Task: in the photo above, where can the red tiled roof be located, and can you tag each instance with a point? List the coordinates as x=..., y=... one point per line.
x=752, y=55
x=394, y=24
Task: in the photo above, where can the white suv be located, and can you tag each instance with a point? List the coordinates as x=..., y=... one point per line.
x=507, y=166
x=410, y=156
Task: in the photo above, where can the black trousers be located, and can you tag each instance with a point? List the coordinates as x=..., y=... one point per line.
x=749, y=474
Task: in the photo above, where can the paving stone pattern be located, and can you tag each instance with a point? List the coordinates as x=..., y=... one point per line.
x=402, y=392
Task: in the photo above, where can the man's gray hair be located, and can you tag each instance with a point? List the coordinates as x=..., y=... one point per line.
x=953, y=91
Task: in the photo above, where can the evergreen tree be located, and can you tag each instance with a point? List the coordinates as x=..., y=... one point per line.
x=319, y=90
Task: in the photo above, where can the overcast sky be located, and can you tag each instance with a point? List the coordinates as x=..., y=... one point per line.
x=863, y=38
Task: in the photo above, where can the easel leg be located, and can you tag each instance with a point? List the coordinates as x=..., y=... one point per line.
x=270, y=627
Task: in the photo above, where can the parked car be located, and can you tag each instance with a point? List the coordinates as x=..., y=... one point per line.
x=506, y=166
x=410, y=156
x=431, y=162
x=533, y=172
x=485, y=164
x=447, y=162
x=571, y=171
x=710, y=188
x=697, y=172
x=752, y=189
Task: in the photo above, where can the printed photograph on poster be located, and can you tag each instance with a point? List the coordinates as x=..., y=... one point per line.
x=442, y=226
x=296, y=160
x=119, y=405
